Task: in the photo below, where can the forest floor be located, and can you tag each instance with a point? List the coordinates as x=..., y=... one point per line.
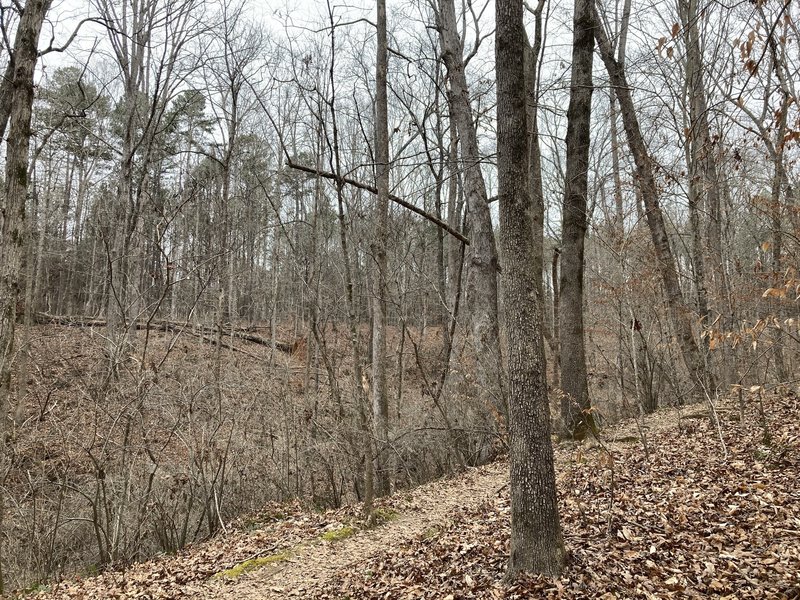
x=702, y=512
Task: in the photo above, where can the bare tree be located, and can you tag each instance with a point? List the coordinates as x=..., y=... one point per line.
x=704, y=197
x=148, y=38
x=482, y=269
x=231, y=68
x=681, y=315
x=380, y=403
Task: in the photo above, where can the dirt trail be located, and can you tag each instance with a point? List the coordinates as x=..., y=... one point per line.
x=312, y=564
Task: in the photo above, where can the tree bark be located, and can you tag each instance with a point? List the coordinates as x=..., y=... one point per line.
x=703, y=180
x=481, y=285
x=532, y=65
x=618, y=243
x=380, y=403
x=532, y=55
x=575, y=405
x=6, y=91
x=455, y=205
x=12, y=216
x=619, y=209
x=556, y=318
x=537, y=543
x=776, y=220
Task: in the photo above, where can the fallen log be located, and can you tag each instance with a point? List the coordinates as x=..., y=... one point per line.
x=222, y=342
x=242, y=333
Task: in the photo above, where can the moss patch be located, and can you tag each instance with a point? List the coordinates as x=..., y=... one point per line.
x=34, y=590
x=252, y=565
x=626, y=439
x=384, y=515
x=336, y=535
x=262, y=521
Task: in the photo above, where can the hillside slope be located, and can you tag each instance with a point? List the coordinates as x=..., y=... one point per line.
x=692, y=518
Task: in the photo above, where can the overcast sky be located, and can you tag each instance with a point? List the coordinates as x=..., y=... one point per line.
x=276, y=15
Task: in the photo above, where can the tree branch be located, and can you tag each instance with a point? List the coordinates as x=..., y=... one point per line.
x=396, y=199
x=50, y=48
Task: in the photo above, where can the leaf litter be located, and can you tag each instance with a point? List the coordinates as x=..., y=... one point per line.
x=687, y=523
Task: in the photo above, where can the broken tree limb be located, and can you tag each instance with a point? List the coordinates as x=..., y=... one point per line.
x=396, y=199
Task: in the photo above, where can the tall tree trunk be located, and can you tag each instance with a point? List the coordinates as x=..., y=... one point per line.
x=556, y=319
x=12, y=216
x=703, y=171
x=441, y=263
x=532, y=55
x=232, y=123
x=646, y=393
x=360, y=385
x=73, y=294
x=780, y=182
x=695, y=203
x=380, y=403
x=481, y=288
x=455, y=201
x=618, y=243
x=6, y=92
x=123, y=220
x=680, y=314
x=703, y=180
x=776, y=219
x=442, y=245
x=575, y=405
x=532, y=65
x=537, y=544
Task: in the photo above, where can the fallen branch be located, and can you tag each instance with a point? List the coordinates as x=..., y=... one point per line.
x=223, y=343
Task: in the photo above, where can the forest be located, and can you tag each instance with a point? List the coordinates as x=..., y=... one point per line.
x=275, y=275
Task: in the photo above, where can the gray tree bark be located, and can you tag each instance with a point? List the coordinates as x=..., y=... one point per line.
x=532, y=65
x=776, y=219
x=618, y=243
x=537, y=543
x=6, y=91
x=704, y=195
x=481, y=284
x=532, y=54
x=380, y=403
x=556, y=362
